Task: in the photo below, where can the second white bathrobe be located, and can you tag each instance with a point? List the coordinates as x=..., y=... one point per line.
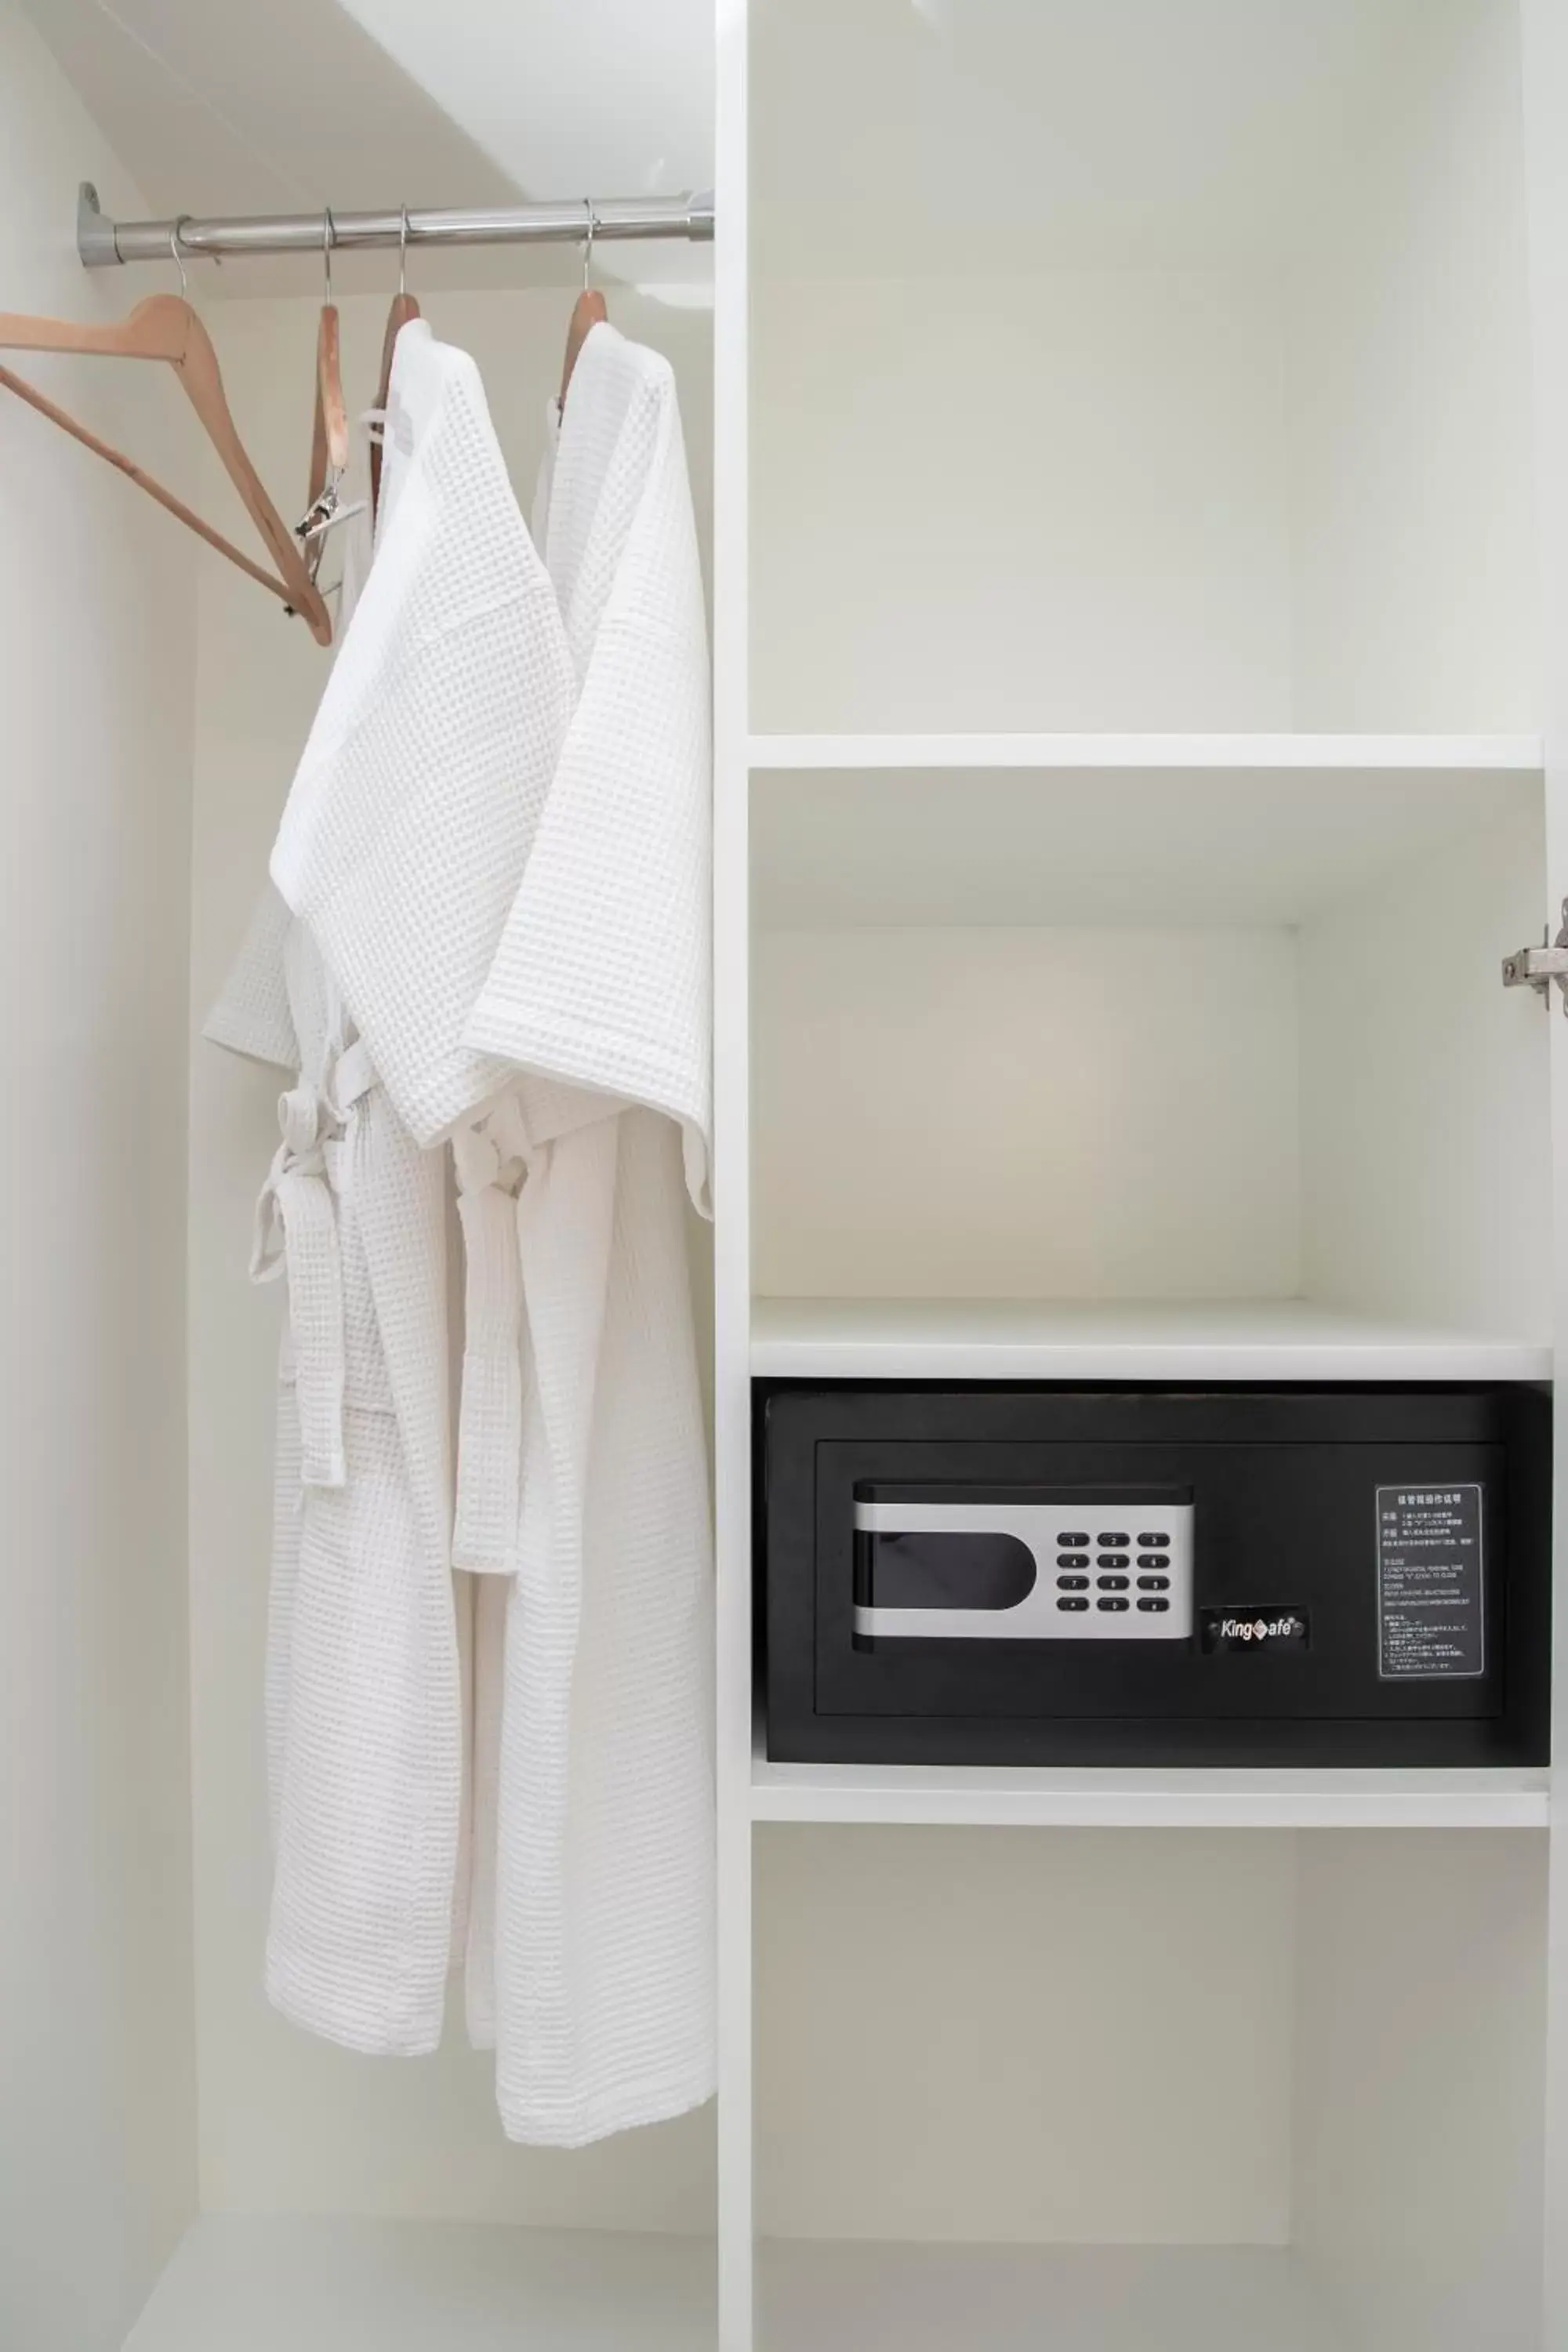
x=600, y=990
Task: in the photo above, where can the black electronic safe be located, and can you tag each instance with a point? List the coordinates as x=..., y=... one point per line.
x=1266, y=1576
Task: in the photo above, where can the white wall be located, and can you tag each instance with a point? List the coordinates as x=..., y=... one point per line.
x=97, y=2092
x=289, y=2124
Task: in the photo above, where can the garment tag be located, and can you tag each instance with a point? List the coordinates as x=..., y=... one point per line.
x=1431, y=1621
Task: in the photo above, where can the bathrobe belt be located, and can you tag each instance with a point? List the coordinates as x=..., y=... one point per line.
x=297, y=1229
x=491, y=1162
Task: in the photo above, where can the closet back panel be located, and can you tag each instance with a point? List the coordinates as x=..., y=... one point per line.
x=1028, y=2035
x=97, y=2170
x=1020, y=503
x=1034, y=1114
x=288, y=2122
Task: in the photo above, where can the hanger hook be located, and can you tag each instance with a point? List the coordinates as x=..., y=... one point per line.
x=402, y=250
x=179, y=258
x=588, y=246
x=329, y=238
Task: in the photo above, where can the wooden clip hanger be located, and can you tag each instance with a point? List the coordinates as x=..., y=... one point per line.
x=588, y=312
x=165, y=326
x=330, y=430
x=404, y=307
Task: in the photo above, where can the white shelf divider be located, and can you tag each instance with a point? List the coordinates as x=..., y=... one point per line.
x=1484, y=753
x=986, y=1796
x=1007, y=1340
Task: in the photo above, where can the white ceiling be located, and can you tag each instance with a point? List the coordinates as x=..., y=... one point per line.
x=245, y=106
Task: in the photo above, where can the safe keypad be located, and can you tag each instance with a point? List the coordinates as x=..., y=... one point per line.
x=1092, y=1573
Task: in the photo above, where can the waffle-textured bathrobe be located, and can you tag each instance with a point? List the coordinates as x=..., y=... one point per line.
x=499, y=841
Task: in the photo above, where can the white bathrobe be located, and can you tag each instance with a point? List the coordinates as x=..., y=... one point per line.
x=499, y=839
x=363, y=1704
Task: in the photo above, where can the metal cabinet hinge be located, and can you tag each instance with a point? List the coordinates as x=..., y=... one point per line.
x=1537, y=968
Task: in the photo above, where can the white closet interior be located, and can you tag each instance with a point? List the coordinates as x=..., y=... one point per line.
x=1114, y=429
x=1144, y=779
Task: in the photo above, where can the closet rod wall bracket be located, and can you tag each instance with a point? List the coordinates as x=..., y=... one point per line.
x=94, y=230
x=101, y=242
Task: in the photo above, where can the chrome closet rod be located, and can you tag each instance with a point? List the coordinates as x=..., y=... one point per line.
x=103, y=242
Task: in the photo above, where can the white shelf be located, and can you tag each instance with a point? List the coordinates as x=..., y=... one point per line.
x=843, y=2297
x=985, y=1796
x=244, y=2284
x=1005, y=1339
x=1415, y=753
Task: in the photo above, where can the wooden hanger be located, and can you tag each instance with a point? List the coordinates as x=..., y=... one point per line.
x=588, y=312
x=330, y=437
x=404, y=307
x=329, y=429
x=165, y=327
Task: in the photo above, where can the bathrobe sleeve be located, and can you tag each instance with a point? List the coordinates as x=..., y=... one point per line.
x=252, y=1014
x=602, y=975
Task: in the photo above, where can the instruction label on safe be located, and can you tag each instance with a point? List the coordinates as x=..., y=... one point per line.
x=1430, y=1619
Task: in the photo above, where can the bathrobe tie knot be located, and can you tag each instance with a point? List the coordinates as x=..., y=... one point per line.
x=296, y=1233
